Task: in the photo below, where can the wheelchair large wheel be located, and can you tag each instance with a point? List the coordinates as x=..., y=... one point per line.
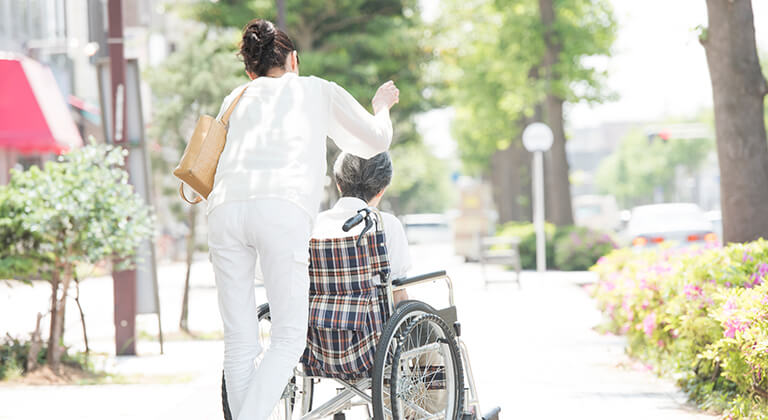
x=426, y=380
x=297, y=396
x=388, y=342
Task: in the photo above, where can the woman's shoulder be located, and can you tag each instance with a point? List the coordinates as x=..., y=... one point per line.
x=229, y=98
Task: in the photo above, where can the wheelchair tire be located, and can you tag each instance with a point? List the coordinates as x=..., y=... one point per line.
x=405, y=312
x=423, y=377
x=263, y=314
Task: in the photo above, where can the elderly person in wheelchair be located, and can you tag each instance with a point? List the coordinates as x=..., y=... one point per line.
x=362, y=183
x=398, y=358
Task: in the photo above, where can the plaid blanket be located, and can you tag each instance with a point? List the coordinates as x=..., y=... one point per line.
x=347, y=310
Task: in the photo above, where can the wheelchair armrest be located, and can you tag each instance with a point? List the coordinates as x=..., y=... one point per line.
x=418, y=279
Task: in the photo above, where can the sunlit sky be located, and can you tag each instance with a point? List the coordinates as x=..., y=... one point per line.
x=658, y=67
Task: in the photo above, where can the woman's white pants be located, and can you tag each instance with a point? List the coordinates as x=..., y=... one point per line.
x=278, y=232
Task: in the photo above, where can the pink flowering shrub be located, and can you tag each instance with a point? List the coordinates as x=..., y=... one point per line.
x=699, y=314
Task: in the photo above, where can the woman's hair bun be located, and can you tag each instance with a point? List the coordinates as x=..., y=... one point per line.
x=259, y=48
x=257, y=37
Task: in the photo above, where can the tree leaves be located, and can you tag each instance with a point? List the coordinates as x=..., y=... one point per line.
x=79, y=208
x=491, y=53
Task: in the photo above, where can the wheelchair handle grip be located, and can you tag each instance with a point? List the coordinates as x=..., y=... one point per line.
x=352, y=222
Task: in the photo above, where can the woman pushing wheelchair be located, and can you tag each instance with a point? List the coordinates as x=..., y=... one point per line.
x=264, y=201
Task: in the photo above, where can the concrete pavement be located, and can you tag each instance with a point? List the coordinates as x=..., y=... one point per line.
x=533, y=351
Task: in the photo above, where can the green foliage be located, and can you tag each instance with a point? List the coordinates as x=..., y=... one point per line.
x=526, y=233
x=79, y=208
x=700, y=315
x=578, y=248
x=568, y=248
x=491, y=52
x=13, y=358
x=638, y=166
x=421, y=182
x=14, y=354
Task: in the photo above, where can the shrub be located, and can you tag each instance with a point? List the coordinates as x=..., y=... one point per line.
x=578, y=248
x=14, y=354
x=699, y=314
x=568, y=248
x=527, y=246
x=78, y=209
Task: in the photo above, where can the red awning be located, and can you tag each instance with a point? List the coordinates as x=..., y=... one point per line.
x=33, y=115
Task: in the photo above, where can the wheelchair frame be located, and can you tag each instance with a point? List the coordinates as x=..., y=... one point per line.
x=344, y=399
x=363, y=388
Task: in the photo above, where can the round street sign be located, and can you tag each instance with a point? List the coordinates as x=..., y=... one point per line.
x=537, y=137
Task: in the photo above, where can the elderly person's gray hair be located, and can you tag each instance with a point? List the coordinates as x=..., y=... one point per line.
x=362, y=178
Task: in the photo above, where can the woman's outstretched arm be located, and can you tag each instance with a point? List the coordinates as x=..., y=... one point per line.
x=354, y=129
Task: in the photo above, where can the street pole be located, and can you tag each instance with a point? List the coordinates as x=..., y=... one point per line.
x=537, y=139
x=538, y=211
x=124, y=281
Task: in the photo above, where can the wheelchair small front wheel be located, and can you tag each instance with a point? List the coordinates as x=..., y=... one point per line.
x=427, y=378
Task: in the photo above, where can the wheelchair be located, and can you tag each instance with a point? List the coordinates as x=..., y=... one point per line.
x=404, y=362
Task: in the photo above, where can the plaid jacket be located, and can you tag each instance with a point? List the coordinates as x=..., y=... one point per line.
x=347, y=310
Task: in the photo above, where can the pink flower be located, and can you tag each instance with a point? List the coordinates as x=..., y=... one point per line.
x=733, y=325
x=762, y=268
x=649, y=323
x=692, y=291
x=747, y=257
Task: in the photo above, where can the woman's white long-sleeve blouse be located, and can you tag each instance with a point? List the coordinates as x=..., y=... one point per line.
x=276, y=140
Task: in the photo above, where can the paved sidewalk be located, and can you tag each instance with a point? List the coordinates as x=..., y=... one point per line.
x=533, y=351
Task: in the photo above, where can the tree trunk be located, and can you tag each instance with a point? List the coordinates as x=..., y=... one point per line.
x=82, y=314
x=558, y=192
x=511, y=182
x=57, y=316
x=184, y=321
x=738, y=88
x=53, y=335
x=280, y=4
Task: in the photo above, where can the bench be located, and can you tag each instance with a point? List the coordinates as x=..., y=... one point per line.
x=500, y=250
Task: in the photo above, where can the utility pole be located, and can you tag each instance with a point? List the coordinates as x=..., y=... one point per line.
x=124, y=281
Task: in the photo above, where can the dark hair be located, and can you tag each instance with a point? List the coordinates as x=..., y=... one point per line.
x=362, y=178
x=264, y=46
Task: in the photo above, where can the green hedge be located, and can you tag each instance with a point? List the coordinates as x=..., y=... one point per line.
x=569, y=248
x=699, y=315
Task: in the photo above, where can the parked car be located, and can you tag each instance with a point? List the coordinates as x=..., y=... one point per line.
x=599, y=212
x=683, y=223
x=716, y=217
x=427, y=228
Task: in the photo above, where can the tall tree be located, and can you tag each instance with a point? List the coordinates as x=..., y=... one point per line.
x=506, y=65
x=739, y=89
